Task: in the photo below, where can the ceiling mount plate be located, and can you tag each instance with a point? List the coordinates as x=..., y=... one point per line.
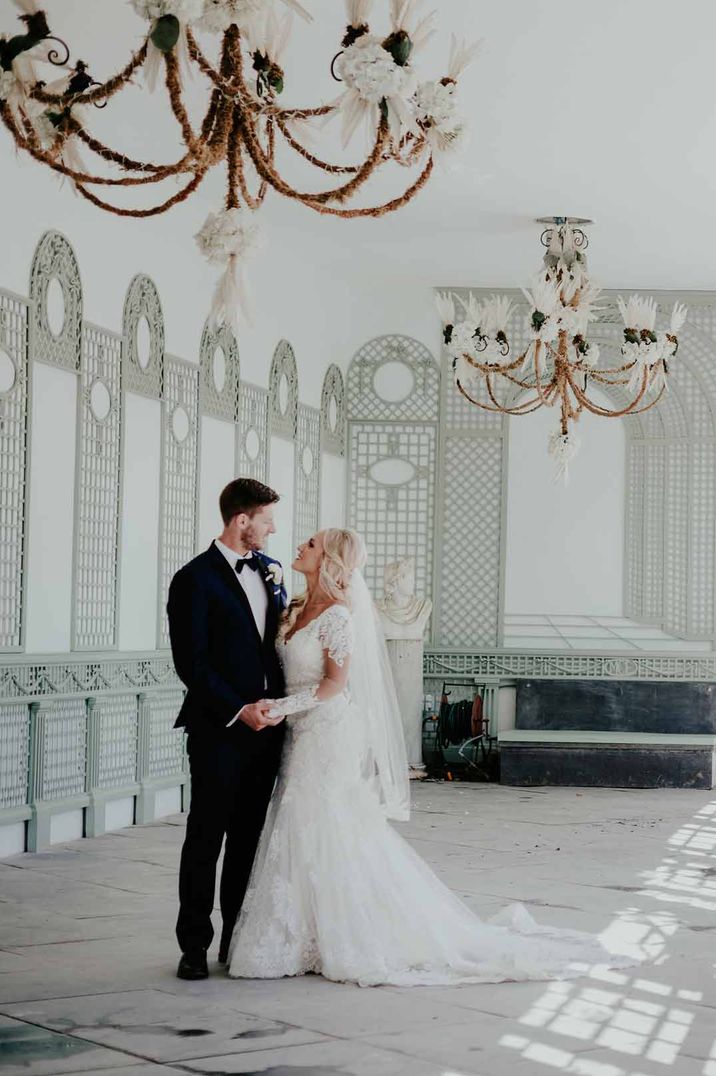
x=578, y=222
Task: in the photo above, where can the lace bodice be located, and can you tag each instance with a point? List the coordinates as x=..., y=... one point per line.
x=302, y=654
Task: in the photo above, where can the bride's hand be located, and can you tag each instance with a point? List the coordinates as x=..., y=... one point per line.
x=270, y=718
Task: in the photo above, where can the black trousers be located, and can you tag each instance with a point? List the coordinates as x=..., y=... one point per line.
x=230, y=793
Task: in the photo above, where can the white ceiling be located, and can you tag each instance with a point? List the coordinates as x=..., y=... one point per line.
x=605, y=110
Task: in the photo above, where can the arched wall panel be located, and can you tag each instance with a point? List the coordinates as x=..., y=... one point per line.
x=89, y=728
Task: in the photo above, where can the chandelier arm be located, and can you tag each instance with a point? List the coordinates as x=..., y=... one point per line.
x=253, y=201
x=271, y=136
x=537, y=380
x=303, y=152
x=126, y=162
x=220, y=133
x=29, y=143
x=153, y=211
x=387, y=207
x=265, y=169
x=233, y=168
x=652, y=403
x=593, y=376
x=518, y=410
x=103, y=91
x=222, y=78
x=604, y=411
x=618, y=369
x=486, y=367
x=174, y=89
x=498, y=410
x=304, y=113
x=416, y=148
x=522, y=384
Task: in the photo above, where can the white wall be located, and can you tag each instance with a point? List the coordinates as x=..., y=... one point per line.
x=565, y=544
x=51, y=509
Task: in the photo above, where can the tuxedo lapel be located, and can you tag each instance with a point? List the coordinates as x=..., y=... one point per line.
x=229, y=575
x=273, y=603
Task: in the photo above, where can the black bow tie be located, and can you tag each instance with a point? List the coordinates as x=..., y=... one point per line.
x=247, y=562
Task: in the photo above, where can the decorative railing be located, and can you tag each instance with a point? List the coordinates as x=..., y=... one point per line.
x=79, y=733
x=496, y=665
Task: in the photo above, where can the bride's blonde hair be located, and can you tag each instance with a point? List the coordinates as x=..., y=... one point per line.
x=343, y=553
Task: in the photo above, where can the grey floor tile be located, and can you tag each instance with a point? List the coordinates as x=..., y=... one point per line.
x=333, y=1058
x=37, y=1051
x=161, y=1026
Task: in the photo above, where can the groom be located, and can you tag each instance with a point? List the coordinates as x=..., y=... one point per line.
x=224, y=608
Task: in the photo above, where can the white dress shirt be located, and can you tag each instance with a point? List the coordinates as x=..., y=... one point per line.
x=252, y=583
x=254, y=589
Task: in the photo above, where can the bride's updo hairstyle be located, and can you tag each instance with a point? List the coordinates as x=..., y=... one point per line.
x=343, y=553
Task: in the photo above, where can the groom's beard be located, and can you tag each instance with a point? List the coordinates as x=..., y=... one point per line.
x=251, y=541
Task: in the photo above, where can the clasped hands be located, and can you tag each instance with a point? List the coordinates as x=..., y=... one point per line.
x=257, y=715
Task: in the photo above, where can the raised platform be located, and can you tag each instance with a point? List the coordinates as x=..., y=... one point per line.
x=609, y=759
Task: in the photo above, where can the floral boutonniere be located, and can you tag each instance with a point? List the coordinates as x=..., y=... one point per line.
x=274, y=575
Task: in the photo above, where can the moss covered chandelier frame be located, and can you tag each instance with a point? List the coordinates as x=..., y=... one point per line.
x=560, y=363
x=408, y=121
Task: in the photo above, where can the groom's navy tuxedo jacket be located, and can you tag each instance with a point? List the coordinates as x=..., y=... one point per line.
x=217, y=650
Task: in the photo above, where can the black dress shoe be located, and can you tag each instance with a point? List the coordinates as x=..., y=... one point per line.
x=193, y=965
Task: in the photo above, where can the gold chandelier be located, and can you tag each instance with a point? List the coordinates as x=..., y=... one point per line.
x=408, y=121
x=560, y=363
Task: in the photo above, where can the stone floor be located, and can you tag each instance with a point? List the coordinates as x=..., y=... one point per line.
x=87, y=955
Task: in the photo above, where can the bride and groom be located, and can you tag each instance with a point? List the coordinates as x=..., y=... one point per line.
x=297, y=761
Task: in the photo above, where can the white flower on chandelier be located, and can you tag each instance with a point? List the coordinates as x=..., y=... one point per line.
x=648, y=350
x=581, y=310
x=268, y=39
x=472, y=308
x=562, y=447
x=218, y=15
x=377, y=72
x=438, y=117
x=462, y=340
x=230, y=238
x=545, y=309
x=436, y=107
x=185, y=12
x=372, y=77
x=495, y=315
x=638, y=313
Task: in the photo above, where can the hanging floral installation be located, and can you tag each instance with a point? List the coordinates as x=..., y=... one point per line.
x=409, y=121
x=560, y=362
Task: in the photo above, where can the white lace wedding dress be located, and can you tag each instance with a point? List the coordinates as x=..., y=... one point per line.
x=335, y=890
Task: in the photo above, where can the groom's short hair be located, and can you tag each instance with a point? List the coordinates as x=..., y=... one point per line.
x=245, y=495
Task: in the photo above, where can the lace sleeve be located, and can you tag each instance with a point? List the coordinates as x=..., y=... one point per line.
x=335, y=633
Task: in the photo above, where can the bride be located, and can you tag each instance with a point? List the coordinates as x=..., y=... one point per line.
x=334, y=889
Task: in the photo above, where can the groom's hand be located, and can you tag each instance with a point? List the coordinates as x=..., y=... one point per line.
x=256, y=715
